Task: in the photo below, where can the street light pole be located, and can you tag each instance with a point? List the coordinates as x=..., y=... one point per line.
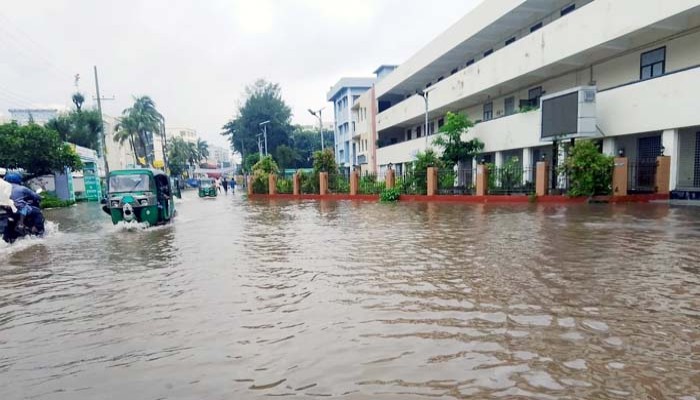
x=318, y=114
x=264, y=125
x=424, y=94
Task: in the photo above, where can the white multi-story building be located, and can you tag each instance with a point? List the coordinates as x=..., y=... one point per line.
x=220, y=155
x=37, y=115
x=343, y=94
x=638, y=63
x=186, y=134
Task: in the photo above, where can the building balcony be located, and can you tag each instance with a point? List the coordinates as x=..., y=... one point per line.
x=565, y=45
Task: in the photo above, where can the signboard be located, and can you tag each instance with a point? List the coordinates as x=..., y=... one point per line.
x=93, y=191
x=569, y=114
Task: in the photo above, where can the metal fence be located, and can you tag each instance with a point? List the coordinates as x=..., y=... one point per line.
x=370, y=184
x=285, y=184
x=339, y=182
x=456, y=182
x=409, y=182
x=309, y=183
x=641, y=176
x=512, y=179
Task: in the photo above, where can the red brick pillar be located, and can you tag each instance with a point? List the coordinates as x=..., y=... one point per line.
x=663, y=175
x=354, y=182
x=620, y=172
x=482, y=180
x=297, y=184
x=272, y=184
x=390, y=179
x=541, y=178
x=432, y=181
x=323, y=183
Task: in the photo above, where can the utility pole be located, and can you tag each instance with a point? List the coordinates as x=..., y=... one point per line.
x=317, y=114
x=264, y=125
x=103, y=142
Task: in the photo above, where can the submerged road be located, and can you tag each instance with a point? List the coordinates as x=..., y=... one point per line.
x=240, y=300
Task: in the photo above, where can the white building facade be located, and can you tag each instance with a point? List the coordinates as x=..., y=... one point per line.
x=343, y=95
x=640, y=58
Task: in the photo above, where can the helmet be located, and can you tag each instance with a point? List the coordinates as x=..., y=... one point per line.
x=13, y=177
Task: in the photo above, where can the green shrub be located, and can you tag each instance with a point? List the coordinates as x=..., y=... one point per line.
x=261, y=171
x=50, y=201
x=309, y=182
x=590, y=172
x=389, y=195
x=285, y=186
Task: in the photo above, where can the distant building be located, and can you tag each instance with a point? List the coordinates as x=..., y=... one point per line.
x=186, y=134
x=343, y=94
x=38, y=115
x=219, y=155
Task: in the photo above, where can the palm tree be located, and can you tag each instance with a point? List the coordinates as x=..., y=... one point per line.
x=140, y=122
x=202, y=150
x=126, y=130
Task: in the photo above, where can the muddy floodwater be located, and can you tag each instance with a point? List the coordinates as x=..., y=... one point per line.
x=264, y=299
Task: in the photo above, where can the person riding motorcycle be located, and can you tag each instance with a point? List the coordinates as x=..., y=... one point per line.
x=24, y=199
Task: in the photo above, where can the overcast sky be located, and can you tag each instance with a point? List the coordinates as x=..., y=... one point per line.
x=195, y=57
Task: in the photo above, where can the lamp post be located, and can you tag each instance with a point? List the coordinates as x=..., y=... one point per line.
x=424, y=94
x=317, y=114
x=264, y=125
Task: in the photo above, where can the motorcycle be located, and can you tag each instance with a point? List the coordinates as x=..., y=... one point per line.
x=33, y=223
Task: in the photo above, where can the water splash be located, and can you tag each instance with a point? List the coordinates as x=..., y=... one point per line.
x=50, y=231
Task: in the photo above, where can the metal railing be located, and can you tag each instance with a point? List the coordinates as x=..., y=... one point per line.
x=339, y=182
x=641, y=176
x=410, y=182
x=511, y=179
x=370, y=184
x=308, y=183
x=456, y=182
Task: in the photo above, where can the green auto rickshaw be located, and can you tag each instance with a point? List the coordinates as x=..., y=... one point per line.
x=141, y=195
x=207, y=188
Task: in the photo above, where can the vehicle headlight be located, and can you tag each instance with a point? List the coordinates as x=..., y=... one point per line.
x=115, y=203
x=144, y=202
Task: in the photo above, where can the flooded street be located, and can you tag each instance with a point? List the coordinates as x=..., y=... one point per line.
x=241, y=300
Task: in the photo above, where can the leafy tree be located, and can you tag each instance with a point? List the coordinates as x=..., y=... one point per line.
x=263, y=103
x=454, y=149
x=36, y=149
x=590, y=171
x=181, y=155
x=286, y=157
x=306, y=142
x=78, y=99
x=249, y=161
x=324, y=161
x=261, y=171
x=78, y=127
x=138, y=125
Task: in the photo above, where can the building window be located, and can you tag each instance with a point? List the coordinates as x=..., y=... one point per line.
x=441, y=78
x=488, y=53
x=408, y=134
x=533, y=98
x=509, y=105
x=441, y=122
x=568, y=9
x=488, y=111
x=418, y=132
x=510, y=41
x=653, y=63
x=431, y=128
x=535, y=27
x=454, y=71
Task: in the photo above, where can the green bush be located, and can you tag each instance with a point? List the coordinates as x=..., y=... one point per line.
x=50, y=201
x=370, y=185
x=389, y=195
x=589, y=171
x=285, y=186
x=261, y=171
x=309, y=182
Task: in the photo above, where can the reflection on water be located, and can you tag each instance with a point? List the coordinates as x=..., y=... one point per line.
x=356, y=300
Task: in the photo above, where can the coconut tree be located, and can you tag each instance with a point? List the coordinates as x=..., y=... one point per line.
x=126, y=130
x=202, y=149
x=142, y=121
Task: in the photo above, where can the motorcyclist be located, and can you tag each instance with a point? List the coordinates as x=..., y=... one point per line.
x=23, y=198
x=6, y=193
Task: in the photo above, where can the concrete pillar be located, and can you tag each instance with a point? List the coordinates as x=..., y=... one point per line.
x=670, y=141
x=482, y=180
x=390, y=179
x=354, y=182
x=475, y=164
x=620, y=172
x=272, y=184
x=499, y=159
x=432, y=181
x=528, y=173
x=297, y=184
x=541, y=180
x=249, y=185
x=323, y=183
x=663, y=175
x=609, y=146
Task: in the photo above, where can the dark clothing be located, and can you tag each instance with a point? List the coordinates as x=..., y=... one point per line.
x=224, y=182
